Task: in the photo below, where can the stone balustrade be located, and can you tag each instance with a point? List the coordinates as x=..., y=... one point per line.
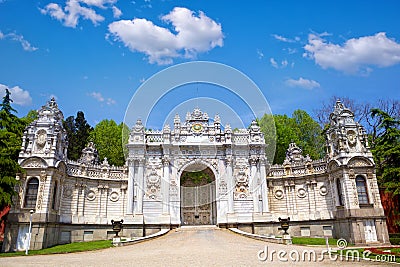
x=298, y=169
x=92, y=171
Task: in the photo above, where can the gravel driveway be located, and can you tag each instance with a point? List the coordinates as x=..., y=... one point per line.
x=186, y=247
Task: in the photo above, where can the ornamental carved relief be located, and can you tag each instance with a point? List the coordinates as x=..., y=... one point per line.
x=323, y=190
x=279, y=194
x=241, y=174
x=223, y=187
x=114, y=196
x=301, y=193
x=153, y=182
x=90, y=195
x=34, y=163
x=68, y=191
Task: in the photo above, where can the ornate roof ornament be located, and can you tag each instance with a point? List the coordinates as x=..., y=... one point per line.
x=89, y=154
x=177, y=119
x=294, y=154
x=217, y=119
x=138, y=127
x=254, y=126
x=197, y=115
x=50, y=112
x=167, y=129
x=341, y=115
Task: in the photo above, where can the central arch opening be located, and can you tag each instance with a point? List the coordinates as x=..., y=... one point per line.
x=198, y=206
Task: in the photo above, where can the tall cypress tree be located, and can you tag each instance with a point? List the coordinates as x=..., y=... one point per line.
x=11, y=130
x=78, y=131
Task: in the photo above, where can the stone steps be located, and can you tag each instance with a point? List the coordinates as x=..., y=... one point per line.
x=197, y=228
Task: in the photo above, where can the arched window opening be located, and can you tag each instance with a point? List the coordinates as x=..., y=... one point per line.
x=31, y=193
x=339, y=190
x=53, y=204
x=362, y=191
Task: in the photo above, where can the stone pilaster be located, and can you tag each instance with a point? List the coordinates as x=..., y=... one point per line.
x=165, y=186
x=131, y=187
x=140, y=179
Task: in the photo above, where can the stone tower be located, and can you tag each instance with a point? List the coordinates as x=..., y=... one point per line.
x=43, y=156
x=358, y=210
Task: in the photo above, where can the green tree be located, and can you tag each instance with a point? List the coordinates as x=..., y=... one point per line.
x=286, y=133
x=11, y=129
x=386, y=151
x=267, y=126
x=300, y=128
x=30, y=117
x=309, y=132
x=78, y=132
x=110, y=141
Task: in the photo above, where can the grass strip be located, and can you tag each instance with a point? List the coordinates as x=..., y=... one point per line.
x=312, y=241
x=67, y=248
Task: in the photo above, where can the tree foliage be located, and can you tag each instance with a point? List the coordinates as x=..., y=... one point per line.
x=78, y=132
x=300, y=128
x=386, y=151
x=110, y=141
x=11, y=129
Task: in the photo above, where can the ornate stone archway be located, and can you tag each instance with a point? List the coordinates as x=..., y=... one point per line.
x=198, y=195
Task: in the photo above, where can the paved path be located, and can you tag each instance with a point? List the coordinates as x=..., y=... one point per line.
x=181, y=247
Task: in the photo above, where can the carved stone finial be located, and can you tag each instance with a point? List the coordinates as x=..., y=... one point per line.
x=105, y=162
x=138, y=127
x=254, y=126
x=89, y=154
x=177, y=119
x=217, y=119
x=294, y=154
x=167, y=129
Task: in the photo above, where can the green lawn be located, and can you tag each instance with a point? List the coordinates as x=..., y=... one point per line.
x=374, y=256
x=313, y=241
x=67, y=248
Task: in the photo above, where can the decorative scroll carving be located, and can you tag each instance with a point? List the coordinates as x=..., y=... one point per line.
x=153, y=184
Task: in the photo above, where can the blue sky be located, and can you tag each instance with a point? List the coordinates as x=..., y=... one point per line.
x=92, y=55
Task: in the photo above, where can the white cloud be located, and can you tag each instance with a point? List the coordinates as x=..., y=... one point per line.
x=192, y=34
x=355, y=55
x=273, y=63
x=98, y=3
x=276, y=65
x=99, y=97
x=18, y=95
x=285, y=39
x=303, y=83
x=282, y=39
x=20, y=39
x=260, y=54
x=73, y=11
x=116, y=12
x=291, y=50
x=110, y=101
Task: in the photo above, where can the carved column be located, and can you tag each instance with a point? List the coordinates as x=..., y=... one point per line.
x=82, y=203
x=99, y=194
x=140, y=179
x=264, y=187
x=230, y=183
x=253, y=182
x=131, y=186
x=165, y=187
